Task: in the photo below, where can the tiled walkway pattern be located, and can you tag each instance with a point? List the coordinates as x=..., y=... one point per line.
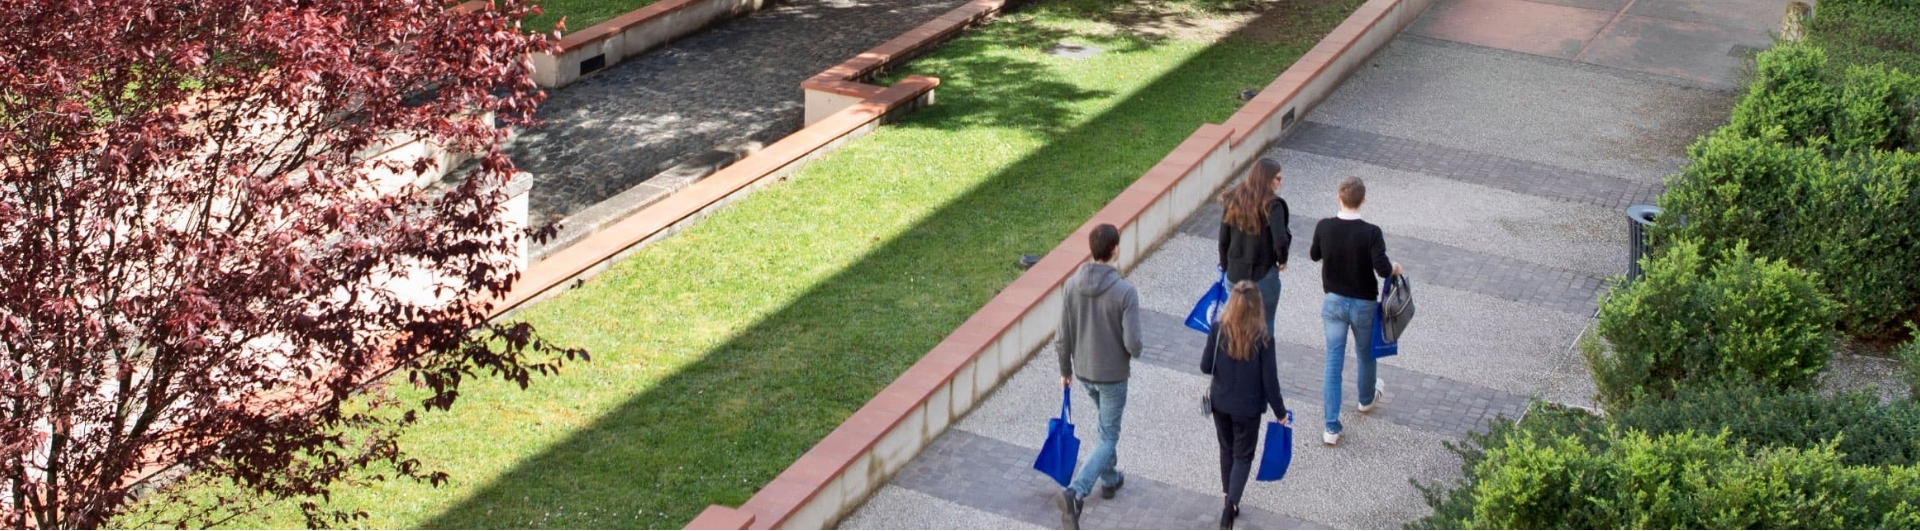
x=1500, y=139
x=1483, y=169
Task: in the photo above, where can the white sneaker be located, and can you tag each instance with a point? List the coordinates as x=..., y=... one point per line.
x=1330, y=438
x=1379, y=391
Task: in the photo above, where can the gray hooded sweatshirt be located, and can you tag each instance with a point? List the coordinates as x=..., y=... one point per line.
x=1099, y=325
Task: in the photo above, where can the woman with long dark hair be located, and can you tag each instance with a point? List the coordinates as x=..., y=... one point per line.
x=1246, y=381
x=1254, y=235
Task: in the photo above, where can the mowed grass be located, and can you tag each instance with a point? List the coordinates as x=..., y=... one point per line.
x=579, y=14
x=722, y=354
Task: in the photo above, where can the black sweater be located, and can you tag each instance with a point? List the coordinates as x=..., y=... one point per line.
x=1243, y=388
x=1355, y=253
x=1246, y=256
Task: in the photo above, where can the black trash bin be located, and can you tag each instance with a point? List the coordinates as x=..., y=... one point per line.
x=1640, y=219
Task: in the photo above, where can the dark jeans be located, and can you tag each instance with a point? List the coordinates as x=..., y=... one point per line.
x=1269, y=293
x=1238, y=436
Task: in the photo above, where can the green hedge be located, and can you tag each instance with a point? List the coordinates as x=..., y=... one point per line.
x=1867, y=32
x=1793, y=100
x=1909, y=357
x=1878, y=108
x=1822, y=174
x=1684, y=481
x=1689, y=319
x=1789, y=94
x=1865, y=432
x=1852, y=220
x=1562, y=467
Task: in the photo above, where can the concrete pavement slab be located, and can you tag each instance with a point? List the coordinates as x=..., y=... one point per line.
x=1549, y=30
x=899, y=508
x=1498, y=222
x=1753, y=16
x=1462, y=335
x=1361, y=483
x=1701, y=52
x=1555, y=113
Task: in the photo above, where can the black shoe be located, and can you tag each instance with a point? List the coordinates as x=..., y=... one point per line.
x=1070, y=504
x=1227, y=515
x=1106, y=491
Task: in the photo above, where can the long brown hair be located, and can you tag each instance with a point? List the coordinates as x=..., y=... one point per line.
x=1243, y=323
x=1246, y=204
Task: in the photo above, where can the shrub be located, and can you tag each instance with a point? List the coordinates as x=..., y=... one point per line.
x=1850, y=220
x=1649, y=466
x=1867, y=32
x=1740, y=188
x=1741, y=318
x=1863, y=431
x=1788, y=93
x=1683, y=481
x=1909, y=357
x=1878, y=109
x=1857, y=226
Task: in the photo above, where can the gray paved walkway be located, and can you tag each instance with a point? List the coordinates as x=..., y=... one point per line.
x=614, y=130
x=1499, y=176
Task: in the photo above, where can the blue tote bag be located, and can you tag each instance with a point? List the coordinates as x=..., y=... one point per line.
x=1207, y=310
x=1278, y=454
x=1062, y=450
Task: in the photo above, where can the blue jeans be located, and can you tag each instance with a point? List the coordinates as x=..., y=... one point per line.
x=1110, y=399
x=1341, y=315
x=1270, y=296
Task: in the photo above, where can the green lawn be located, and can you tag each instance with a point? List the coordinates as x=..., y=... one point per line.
x=580, y=14
x=722, y=354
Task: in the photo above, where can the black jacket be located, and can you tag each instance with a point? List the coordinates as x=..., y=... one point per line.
x=1243, y=388
x=1246, y=256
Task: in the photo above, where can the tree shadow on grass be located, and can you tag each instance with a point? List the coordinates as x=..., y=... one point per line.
x=725, y=425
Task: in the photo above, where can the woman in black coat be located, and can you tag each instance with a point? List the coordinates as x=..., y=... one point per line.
x=1246, y=382
x=1253, y=233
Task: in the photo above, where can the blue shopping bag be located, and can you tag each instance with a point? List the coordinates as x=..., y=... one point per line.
x=1062, y=450
x=1381, y=347
x=1278, y=455
x=1207, y=310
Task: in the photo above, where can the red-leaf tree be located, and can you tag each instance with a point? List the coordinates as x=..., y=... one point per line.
x=203, y=263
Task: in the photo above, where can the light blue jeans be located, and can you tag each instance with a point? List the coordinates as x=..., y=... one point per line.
x=1110, y=399
x=1340, y=316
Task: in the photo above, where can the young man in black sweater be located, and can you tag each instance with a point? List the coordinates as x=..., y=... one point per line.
x=1352, y=253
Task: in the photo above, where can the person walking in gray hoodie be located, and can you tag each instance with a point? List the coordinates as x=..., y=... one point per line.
x=1098, y=338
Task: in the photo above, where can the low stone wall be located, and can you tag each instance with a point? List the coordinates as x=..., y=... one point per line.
x=845, y=83
x=850, y=463
x=607, y=43
x=595, y=253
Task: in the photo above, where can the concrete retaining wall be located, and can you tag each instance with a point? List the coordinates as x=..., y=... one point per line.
x=607, y=43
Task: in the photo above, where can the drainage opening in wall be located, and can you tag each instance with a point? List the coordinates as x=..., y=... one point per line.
x=1286, y=120
x=593, y=63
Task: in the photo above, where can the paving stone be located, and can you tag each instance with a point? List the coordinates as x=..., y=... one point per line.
x=1454, y=267
x=1414, y=399
x=998, y=477
x=1478, y=168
